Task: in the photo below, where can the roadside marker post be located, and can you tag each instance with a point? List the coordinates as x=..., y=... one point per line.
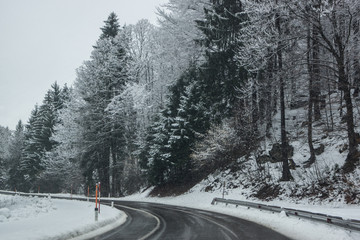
x=223, y=192
x=96, y=208
x=99, y=195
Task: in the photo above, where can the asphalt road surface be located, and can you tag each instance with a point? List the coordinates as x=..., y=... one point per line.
x=157, y=221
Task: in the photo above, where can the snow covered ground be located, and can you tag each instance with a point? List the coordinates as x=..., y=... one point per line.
x=46, y=218
x=290, y=226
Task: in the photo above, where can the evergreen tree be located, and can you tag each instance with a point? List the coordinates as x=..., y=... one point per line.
x=174, y=133
x=111, y=28
x=30, y=164
x=221, y=73
x=182, y=137
x=155, y=161
x=5, y=142
x=199, y=96
x=38, y=137
x=99, y=81
x=15, y=177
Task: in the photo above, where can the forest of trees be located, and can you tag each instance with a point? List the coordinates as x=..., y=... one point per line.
x=165, y=105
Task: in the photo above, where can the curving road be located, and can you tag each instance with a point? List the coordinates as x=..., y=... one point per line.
x=157, y=221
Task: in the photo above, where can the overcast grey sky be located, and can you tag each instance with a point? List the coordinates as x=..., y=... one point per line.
x=43, y=41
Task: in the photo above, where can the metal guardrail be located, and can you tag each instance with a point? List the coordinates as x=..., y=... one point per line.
x=352, y=224
x=104, y=201
x=42, y=195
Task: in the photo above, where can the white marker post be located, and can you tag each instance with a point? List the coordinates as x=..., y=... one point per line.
x=96, y=208
x=99, y=195
x=223, y=193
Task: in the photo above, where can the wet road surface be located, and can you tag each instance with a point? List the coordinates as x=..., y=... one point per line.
x=157, y=221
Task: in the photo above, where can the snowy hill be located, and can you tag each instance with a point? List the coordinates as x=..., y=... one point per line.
x=256, y=175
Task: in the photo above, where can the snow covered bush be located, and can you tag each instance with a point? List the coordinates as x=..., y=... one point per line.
x=217, y=147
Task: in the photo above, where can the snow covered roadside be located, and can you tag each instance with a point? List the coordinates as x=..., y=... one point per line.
x=45, y=218
x=298, y=229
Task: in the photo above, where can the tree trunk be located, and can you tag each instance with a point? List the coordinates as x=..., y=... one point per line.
x=269, y=96
x=330, y=109
x=353, y=156
x=255, y=115
x=315, y=71
x=111, y=170
x=356, y=63
x=311, y=70
x=310, y=140
x=286, y=175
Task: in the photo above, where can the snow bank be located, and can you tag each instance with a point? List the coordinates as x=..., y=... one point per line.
x=14, y=208
x=45, y=218
x=295, y=228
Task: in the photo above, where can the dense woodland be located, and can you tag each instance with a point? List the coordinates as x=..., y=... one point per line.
x=166, y=105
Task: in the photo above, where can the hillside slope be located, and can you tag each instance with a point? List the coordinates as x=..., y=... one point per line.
x=257, y=174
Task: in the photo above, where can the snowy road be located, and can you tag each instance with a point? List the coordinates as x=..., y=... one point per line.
x=158, y=221
x=45, y=218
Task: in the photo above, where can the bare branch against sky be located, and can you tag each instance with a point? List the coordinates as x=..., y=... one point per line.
x=43, y=41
